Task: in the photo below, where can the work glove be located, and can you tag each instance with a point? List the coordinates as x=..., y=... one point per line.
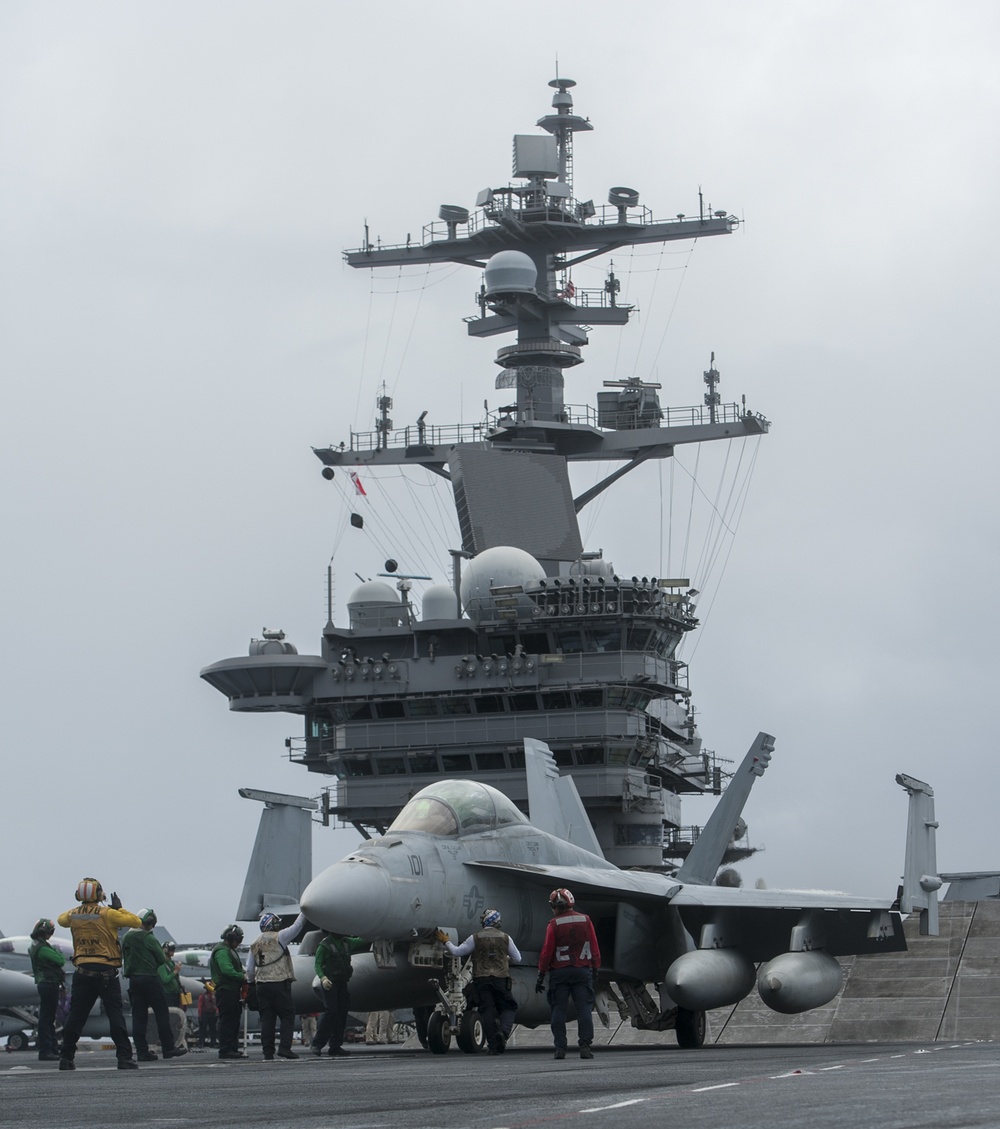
x=440, y=935
x=326, y=983
x=116, y=902
x=540, y=982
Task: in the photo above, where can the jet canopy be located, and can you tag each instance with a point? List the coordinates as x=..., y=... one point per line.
x=457, y=807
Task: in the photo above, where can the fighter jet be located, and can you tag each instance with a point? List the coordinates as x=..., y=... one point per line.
x=674, y=946
x=18, y=994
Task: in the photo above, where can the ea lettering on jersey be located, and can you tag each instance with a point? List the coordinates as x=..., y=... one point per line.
x=562, y=953
x=573, y=943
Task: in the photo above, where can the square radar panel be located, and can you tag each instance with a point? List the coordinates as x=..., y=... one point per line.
x=535, y=155
x=515, y=498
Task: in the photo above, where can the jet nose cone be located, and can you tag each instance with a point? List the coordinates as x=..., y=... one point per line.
x=350, y=898
x=17, y=988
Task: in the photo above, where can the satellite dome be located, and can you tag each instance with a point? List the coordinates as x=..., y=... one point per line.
x=440, y=602
x=373, y=592
x=503, y=564
x=374, y=604
x=510, y=272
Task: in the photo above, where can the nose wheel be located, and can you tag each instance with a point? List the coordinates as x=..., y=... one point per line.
x=438, y=1033
x=471, y=1036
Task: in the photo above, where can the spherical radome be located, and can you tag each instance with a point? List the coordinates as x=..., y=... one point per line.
x=510, y=272
x=503, y=564
x=373, y=592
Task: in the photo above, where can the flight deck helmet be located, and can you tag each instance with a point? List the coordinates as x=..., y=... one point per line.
x=89, y=890
x=561, y=899
x=147, y=917
x=232, y=934
x=43, y=929
x=490, y=918
x=270, y=923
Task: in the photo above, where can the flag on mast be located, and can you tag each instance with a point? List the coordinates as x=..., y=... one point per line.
x=357, y=483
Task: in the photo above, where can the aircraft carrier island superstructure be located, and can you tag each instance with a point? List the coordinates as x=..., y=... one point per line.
x=535, y=636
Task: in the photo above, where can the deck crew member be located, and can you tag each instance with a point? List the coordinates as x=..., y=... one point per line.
x=570, y=955
x=97, y=957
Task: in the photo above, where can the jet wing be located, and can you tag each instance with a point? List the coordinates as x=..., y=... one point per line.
x=761, y=923
x=586, y=881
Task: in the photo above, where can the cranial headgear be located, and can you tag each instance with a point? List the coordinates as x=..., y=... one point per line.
x=89, y=890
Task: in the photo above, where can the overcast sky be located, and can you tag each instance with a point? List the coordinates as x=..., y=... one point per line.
x=178, y=181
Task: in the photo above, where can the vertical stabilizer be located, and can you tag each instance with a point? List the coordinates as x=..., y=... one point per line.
x=554, y=804
x=921, y=880
x=705, y=857
x=281, y=864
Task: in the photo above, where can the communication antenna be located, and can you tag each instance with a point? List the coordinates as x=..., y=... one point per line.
x=712, y=395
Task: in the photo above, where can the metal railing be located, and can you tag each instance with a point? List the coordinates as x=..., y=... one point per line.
x=573, y=415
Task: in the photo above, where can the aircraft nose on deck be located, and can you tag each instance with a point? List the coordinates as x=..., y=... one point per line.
x=17, y=988
x=349, y=898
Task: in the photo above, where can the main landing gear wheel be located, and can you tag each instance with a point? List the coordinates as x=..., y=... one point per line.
x=471, y=1033
x=690, y=1027
x=438, y=1033
x=18, y=1041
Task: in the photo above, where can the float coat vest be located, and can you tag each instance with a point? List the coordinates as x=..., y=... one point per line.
x=489, y=956
x=272, y=962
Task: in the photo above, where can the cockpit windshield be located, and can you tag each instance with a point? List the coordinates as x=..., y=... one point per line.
x=456, y=807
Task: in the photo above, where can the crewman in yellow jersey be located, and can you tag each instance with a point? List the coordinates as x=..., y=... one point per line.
x=98, y=957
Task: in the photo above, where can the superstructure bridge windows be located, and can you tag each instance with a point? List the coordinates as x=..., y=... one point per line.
x=422, y=707
x=390, y=709
x=390, y=764
x=318, y=727
x=524, y=703
x=456, y=706
x=421, y=763
x=435, y=762
x=456, y=762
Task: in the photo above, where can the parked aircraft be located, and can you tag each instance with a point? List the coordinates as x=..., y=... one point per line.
x=19, y=996
x=459, y=846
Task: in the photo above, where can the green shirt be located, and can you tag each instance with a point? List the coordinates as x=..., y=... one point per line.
x=226, y=967
x=46, y=963
x=142, y=952
x=333, y=957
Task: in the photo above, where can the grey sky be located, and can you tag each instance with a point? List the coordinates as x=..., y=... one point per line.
x=177, y=185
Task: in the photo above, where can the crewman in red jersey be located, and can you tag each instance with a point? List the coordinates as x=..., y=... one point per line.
x=571, y=956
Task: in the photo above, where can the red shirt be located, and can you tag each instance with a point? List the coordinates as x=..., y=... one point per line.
x=570, y=942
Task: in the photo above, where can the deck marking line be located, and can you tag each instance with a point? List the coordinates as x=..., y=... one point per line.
x=721, y=1086
x=617, y=1105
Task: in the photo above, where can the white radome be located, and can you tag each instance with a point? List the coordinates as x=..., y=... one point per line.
x=503, y=564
